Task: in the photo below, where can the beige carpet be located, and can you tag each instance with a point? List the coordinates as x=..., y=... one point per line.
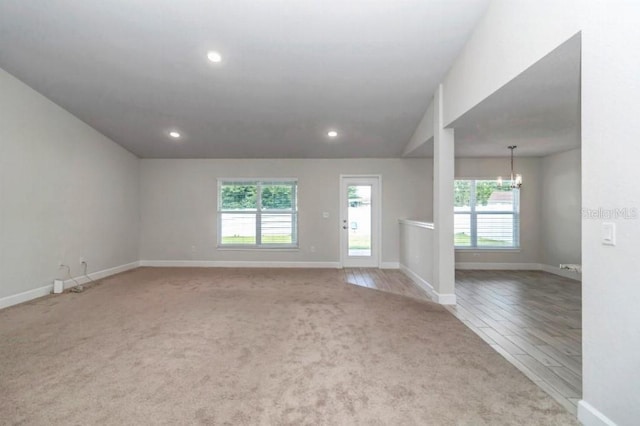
x=268, y=347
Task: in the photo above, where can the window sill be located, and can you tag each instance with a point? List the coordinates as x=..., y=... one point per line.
x=486, y=250
x=237, y=248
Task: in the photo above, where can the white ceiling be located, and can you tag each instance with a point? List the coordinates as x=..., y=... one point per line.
x=539, y=111
x=135, y=69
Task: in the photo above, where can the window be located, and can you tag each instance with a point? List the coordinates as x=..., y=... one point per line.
x=257, y=213
x=486, y=215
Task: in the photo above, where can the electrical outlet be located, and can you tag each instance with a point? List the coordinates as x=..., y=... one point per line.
x=82, y=260
x=312, y=249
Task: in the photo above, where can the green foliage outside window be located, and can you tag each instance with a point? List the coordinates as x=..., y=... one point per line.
x=244, y=197
x=352, y=192
x=462, y=193
x=277, y=197
x=484, y=189
x=239, y=197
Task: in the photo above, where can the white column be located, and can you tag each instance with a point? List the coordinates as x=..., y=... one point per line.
x=443, y=175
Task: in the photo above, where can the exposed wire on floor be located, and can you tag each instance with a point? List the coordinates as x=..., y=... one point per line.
x=84, y=265
x=78, y=288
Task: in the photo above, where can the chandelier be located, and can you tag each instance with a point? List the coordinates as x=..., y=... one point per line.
x=516, y=178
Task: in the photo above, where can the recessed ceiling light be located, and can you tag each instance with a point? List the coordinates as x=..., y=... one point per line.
x=214, y=56
x=332, y=134
x=174, y=134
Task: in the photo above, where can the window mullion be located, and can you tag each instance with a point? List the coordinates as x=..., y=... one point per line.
x=474, y=215
x=516, y=217
x=259, y=213
x=294, y=214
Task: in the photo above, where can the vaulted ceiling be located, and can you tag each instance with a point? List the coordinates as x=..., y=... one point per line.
x=539, y=111
x=290, y=72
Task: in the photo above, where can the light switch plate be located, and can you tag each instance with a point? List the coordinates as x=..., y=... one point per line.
x=608, y=233
x=325, y=215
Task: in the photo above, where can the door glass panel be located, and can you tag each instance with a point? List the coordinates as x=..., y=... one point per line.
x=359, y=220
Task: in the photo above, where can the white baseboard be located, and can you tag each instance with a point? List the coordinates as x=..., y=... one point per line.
x=519, y=267
x=25, y=296
x=101, y=274
x=446, y=299
x=236, y=264
x=443, y=299
x=574, y=275
x=499, y=266
x=249, y=264
x=589, y=416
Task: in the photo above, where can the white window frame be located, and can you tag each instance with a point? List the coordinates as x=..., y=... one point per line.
x=473, y=219
x=259, y=212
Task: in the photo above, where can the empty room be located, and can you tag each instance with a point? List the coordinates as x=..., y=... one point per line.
x=382, y=212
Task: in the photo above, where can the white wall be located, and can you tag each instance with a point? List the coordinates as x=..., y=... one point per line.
x=530, y=207
x=418, y=259
x=178, y=205
x=416, y=251
x=515, y=34
x=561, y=222
x=65, y=191
x=512, y=36
x=610, y=171
x=424, y=132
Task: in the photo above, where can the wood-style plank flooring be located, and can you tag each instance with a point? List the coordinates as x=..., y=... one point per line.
x=389, y=280
x=531, y=318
